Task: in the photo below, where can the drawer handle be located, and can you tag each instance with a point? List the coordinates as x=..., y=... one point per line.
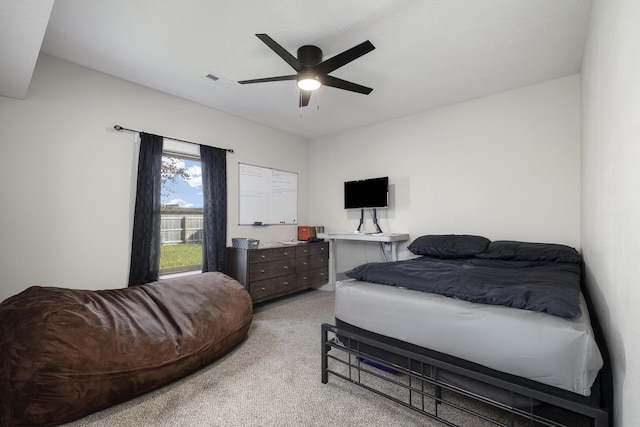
x=285, y=253
x=306, y=251
x=262, y=271
x=286, y=283
x=263, y=256
x=304, y=263
x=304, y=278
x=322, y=274
x=262, y=289
x=285, y=267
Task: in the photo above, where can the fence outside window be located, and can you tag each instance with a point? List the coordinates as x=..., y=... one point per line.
x=181, y=226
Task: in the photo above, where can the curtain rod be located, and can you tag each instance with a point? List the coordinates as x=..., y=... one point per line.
x=120, y=129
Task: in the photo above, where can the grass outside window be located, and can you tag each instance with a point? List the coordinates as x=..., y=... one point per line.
x=180, y=257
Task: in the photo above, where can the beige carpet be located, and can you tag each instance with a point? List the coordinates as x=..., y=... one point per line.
x=271, y=379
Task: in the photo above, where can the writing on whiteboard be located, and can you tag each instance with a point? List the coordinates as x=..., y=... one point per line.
x=267, y=196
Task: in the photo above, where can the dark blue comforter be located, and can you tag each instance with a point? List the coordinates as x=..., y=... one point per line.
x=549, y=287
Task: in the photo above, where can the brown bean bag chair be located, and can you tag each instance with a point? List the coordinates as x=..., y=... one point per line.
x=65, y=353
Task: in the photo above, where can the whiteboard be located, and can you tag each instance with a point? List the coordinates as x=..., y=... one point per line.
x=267, y=196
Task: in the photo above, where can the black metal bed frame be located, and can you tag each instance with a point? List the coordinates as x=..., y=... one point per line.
x=422, y=382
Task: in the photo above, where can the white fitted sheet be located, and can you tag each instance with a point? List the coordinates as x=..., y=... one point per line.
x=551, y=350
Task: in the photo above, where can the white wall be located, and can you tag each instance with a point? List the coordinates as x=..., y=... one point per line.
x=610, y=189
x=505, y=166
x=68, y=179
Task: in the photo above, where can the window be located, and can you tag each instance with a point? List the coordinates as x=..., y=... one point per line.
x=181, y=225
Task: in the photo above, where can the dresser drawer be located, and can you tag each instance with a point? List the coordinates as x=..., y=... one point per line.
x=312, y=249
x=264, y=289
x=267, y=270
x=312, y=277
x=267, y=255
x=311, y=262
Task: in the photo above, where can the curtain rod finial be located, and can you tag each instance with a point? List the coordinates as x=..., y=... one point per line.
x=117, y=127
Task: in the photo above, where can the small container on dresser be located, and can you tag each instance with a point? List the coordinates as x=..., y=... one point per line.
x=276, y=270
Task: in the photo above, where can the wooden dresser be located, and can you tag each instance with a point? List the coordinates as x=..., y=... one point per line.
x=276, y=270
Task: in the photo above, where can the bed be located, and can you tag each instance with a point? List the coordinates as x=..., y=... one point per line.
x=508, y=322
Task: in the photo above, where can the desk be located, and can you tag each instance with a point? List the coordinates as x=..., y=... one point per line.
x=392, y=238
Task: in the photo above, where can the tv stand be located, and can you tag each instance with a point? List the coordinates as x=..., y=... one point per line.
x=374, y=215
x=392, y=238
x=361, y=223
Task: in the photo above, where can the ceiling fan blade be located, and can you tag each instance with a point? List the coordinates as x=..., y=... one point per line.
x=304, y=97
x=282, y=52
x=343, y=84
x=345, y=57
x=269, y=79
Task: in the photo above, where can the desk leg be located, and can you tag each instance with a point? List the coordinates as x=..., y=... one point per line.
x=394, y=251
x=332, y=264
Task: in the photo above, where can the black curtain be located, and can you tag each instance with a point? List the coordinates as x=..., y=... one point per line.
x=145, y=244
x=214, y=189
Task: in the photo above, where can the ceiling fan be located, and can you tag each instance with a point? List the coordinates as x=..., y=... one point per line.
x=312, y=71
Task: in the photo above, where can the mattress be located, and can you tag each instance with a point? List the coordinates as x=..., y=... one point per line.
x=548, y=349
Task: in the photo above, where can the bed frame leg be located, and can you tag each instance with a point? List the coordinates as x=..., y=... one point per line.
x=325, y=349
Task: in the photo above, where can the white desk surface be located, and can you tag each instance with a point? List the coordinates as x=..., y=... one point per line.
x=385, y=237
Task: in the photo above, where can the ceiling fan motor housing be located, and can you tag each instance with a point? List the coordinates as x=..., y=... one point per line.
x=309, y=55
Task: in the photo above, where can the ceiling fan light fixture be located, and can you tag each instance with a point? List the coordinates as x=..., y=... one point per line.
x=308, y=81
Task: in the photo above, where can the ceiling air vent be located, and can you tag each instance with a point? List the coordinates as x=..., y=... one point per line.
x=218, y=79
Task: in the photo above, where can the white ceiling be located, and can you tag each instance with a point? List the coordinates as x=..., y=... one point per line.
x=429, y=53
x=22, y=27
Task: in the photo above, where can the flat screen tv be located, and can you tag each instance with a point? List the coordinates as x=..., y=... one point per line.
x=367, y=193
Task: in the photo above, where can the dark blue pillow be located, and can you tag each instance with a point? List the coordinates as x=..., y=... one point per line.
x=449, y=245
x=524, y=251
